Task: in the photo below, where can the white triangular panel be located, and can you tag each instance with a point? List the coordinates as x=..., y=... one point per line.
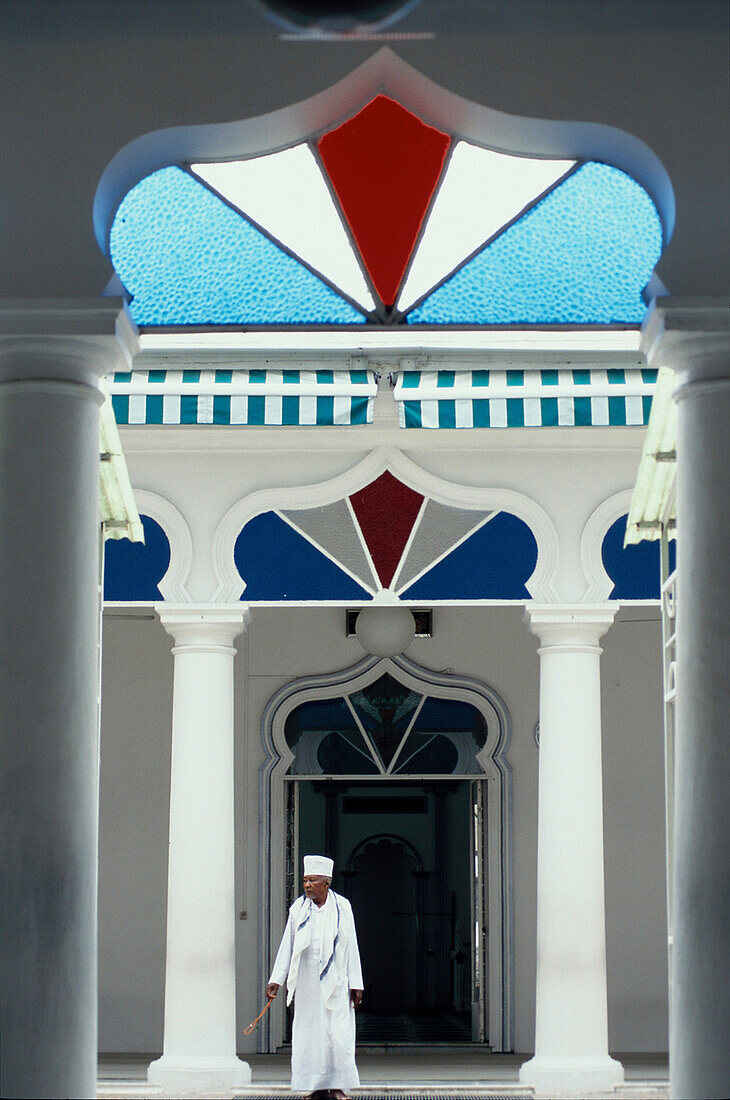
x=286, y=195
x=481, y=191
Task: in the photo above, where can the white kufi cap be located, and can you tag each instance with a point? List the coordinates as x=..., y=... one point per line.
x=319, y=865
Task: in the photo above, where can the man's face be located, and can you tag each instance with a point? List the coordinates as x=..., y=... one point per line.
x=316, y=887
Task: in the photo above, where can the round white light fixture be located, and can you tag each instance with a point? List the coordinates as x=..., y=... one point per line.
x=385, y=631
x=336, y=16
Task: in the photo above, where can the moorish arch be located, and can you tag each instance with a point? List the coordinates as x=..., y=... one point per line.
x=159, y=568
x=387, y=526
x=367, y=204
x=423, y=696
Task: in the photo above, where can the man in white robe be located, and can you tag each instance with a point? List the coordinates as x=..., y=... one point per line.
x=320, y=962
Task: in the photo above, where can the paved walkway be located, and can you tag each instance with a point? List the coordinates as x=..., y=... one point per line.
x=396, y=1073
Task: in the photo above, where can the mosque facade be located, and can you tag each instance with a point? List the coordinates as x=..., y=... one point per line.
x=382, y=342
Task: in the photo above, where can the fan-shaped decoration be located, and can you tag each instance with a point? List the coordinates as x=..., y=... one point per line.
x=384, y=218
x=385, y=536
x=187, y=258
x=287, y=196
x=587, y=250
x=385, y=729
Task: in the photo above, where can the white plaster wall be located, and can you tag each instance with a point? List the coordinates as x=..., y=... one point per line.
x=282, y=644
x=490, y=645
x=633, y=778
x=133, y=832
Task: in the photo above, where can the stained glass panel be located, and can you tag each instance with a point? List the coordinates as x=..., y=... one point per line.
x=429, y=755
x=285, y=193
x=187, y=258
x=277, y=563
x=133, y=570
x=481, y=191
x=385, y=709
x=583, y=254
x=326, y=741
x=384, y=164
x=446, y=737
x=494, y=563
x=386, y=511
x=635, y=570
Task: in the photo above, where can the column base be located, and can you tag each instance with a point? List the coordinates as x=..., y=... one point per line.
x=579, y=1076
x=198, y=1076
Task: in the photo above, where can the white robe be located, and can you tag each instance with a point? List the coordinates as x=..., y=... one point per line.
x=320, y=962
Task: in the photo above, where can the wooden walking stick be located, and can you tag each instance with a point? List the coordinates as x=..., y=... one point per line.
x=264, y=1010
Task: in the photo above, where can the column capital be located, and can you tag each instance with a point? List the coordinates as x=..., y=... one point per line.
x=64, y=341
x=570, y=625
x=203, y=626
x=692, y=335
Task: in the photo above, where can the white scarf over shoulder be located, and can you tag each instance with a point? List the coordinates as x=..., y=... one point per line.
x=330, y=974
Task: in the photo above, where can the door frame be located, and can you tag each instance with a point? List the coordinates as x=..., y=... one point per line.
x=492, y=758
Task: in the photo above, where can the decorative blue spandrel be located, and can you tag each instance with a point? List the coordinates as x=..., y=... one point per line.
x=277, y=563
x=635, y=570
x=133, y=570
x=582, y=255
x=188, y=259
x=494, y=563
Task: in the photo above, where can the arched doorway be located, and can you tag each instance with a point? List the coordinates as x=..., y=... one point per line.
x=386, y=767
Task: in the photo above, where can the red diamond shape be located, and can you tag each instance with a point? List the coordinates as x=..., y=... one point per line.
x=384, y=164
x=386, y=511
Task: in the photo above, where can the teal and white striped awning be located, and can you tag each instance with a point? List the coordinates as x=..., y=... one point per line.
x=254, y=397
x=524, y=398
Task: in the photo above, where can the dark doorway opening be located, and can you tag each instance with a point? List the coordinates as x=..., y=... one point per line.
x=403, y=856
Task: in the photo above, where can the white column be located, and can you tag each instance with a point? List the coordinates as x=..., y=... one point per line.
x=694, y=337
x=571, y=1022
x=52, y=355
x=199, y=1052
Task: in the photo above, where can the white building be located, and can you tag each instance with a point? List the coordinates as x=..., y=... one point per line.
x=382, y=333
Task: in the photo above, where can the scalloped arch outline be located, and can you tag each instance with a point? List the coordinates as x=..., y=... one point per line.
x=230, y=586
x=598, y=583
x=388, y=73
x=497, y=771
x=173, y=584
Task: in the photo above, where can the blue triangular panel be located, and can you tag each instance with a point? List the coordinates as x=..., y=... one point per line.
x=278, y=564
x=582, y=255
x=493, y=564
x=189, y=259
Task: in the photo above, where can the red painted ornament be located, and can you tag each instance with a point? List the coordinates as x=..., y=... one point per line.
x=384, y=164
x=386, y=511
